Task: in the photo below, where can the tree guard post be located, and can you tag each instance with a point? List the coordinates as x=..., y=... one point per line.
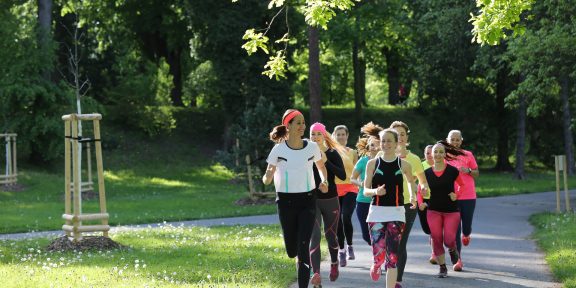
x=73, y=215
x=10, y=177
x=560, y=164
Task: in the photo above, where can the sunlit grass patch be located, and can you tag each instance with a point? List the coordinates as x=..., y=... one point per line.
x=237, y=256
x=556, y=235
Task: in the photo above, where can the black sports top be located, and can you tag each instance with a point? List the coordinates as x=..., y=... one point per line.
x=390, y=175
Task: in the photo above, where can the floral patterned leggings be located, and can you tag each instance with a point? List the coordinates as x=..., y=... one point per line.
x=386, y=238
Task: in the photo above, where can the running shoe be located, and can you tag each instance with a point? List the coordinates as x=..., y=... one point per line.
x=351, y=255
x=375, y=272
x=316, y=280
x=458, y=266
x=443, y=271
x=398, y=285
x=342, y=257
x=466, y=240
x=433, y=260
x=334, y=273
x=454, y=257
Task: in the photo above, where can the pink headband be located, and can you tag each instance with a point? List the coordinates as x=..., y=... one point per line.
x=318, y=127
x=290, y=116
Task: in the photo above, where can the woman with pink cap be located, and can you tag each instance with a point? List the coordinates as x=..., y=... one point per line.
x=290, y=165
x=327, y=204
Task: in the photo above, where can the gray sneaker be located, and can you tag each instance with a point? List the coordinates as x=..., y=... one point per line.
x=351, y=255
x=342, y=256
x=443, y=271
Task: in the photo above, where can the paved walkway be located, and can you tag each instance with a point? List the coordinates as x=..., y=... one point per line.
x=501, y=253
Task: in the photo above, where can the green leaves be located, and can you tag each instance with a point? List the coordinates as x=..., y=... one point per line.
x=317, y=13
x=320, y=12
x=275, y=3
x=255, y=41
x=276, y=66
x=496, y=18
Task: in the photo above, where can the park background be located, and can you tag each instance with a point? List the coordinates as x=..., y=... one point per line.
x=183, y=104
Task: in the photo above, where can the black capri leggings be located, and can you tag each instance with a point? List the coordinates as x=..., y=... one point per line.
x=345, y=228
x=297, y=213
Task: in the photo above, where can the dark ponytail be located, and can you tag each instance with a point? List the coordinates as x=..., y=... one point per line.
x=452, y=152
x=371, y=129
x=278, y=133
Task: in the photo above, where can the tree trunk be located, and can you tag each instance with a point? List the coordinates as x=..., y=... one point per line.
x=314, y=75
x=521, y=138
x=359, y=66
x=566, y=120
x=502, y=153
x=44, y=29
x=393, y=77
x=174, y=60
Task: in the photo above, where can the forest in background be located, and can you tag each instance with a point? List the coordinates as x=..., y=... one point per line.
x=145, y=61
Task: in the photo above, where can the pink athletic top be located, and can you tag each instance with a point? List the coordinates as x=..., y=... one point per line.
x=468, y=190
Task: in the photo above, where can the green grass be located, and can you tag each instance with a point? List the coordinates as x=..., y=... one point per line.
x=556, y=235
x=162, y=180
x=238, y=256
x=491, y=184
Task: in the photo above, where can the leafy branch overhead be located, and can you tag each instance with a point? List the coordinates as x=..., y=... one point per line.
x=316, y=12
x=496, y=18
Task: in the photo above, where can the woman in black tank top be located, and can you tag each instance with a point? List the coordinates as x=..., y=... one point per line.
x=386, y=218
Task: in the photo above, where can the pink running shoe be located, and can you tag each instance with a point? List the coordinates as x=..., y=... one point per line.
x=466, y=240
x=316, y=280
x=375, y=272
x=458, y=266
x=334, y=273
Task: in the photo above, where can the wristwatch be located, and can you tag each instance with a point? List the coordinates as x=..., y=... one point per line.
x=325, y=183
x=469, y=171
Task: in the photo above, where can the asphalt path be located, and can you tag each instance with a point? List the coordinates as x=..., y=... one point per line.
x=501, y=253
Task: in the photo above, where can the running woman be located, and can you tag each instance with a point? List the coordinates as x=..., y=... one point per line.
x=290, y=166
x=418, y=171
x=368, y=147
x=424, y=201
x=384, y=183
x=468, y=168
x=347, y=195
x=443, y=215
x=327, y=205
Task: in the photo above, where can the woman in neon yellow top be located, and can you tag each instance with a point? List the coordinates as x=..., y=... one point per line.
x=418, y=171
x=347, y=195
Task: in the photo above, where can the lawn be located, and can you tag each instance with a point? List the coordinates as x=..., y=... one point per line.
x=556, y=235
x=491, y=184
x=163, y=180
x=237, y=256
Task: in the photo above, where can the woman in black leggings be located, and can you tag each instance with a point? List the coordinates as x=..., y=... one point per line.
x=347, y=193
x=327, y=205
x=290, y=166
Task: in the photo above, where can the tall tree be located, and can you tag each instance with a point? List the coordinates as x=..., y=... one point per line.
x=520, y=138
x=45, y=30
x=314, y=74
x=565, y=91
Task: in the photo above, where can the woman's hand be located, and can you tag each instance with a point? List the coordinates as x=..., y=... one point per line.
x=381, y=190
x=423, y=206
x=323, y=187
x=453, y=196
x=425, y=190
x=269, y=175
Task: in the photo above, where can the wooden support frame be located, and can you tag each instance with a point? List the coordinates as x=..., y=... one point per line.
x=561, y=165
x=73, y=216
x=10, y=177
